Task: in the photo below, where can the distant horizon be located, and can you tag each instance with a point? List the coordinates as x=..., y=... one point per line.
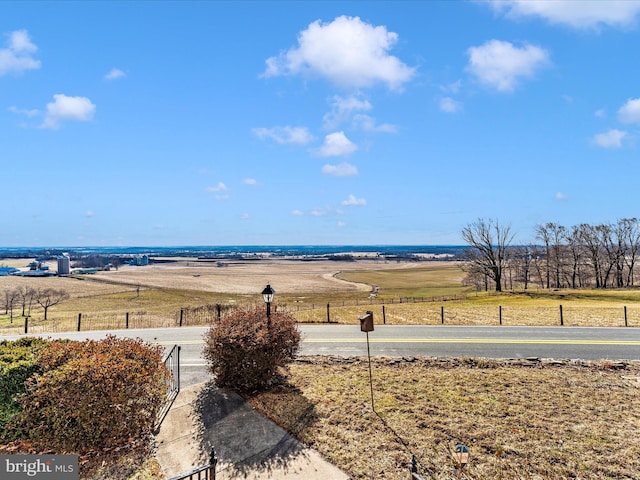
x=291, y=245
x=370, y=247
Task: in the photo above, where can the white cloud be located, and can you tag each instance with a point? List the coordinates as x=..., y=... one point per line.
x=574, y=13
x=285, y=135
x=297, y=213
x=341, y=170
x=449, y=105
x=610, y=139
x=561, y=197
x=343, y=108
x=349, y=110
x=114, y=74
x=19, y=41
x=341, y=224
x=25, y=112
x=352, y=201
x=600, y=113
x=501, y=65
x=65, y=108
x=245, y=216
x=319, y=212
x=17, y=57
x=220, y=187
x=630, y=111
x=249, y=181
x=347, y=51
x=452, y=87
x=336, y=145
x=89, y=214
x=368, y=124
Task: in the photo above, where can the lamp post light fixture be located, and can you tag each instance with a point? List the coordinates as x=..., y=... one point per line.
x=267, y=295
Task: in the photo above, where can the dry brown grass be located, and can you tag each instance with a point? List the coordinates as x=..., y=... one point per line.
x=154, y=295
x=580, y=420
x=462, y=313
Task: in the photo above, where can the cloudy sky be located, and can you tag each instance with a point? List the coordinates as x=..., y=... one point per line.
x=313, y=123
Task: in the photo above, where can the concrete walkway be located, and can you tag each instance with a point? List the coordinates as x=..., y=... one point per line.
x=247, y=444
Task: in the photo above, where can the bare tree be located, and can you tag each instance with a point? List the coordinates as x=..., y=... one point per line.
x=632, y=240
x=620, y=249
x=48, y=297
x=543, y=233
x=26, y=295
x=575, y=252
x=590, y=239
x=488, y=243
x=10, y=296
x=552, y=234
x=523, y=258
x=612, y=252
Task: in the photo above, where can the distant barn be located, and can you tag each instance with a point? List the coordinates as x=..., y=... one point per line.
x=4, y=271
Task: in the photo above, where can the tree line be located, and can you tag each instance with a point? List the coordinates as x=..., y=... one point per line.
x=580, y=256
x=25, y=297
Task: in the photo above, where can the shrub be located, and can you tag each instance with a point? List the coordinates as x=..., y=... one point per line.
x=16, y=366
x=245, y=349
x=93, y=395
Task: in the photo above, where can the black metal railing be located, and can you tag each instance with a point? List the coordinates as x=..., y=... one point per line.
x=172, y=362
x=205, y=472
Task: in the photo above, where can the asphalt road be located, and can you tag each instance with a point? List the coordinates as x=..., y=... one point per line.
x=588, y=343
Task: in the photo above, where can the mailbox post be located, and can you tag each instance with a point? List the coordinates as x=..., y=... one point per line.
x=366, y=325
x=366, y=322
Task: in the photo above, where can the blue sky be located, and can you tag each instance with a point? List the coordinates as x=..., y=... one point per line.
x=264, y=123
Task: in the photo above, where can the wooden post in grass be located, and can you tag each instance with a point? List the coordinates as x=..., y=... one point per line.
x=384, y=316
x=625, y=316
x=328, y=314
x=26, y=324
x=500, y=310
x=127, y=320
x=181, y=314
x=442, y=314
x=561, y=317
x=79, y=320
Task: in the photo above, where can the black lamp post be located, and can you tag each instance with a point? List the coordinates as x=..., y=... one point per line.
x=267, y=295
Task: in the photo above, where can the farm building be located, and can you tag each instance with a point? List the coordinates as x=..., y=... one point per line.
x=64, y=265
x=4, y=271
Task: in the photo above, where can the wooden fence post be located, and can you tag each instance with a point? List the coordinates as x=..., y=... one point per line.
x=561, y=317
x=384, y=316
x=127, y=320
x=442, y=314
x=625, y=316
x=328, y=314
x=181, y=314
x=26, y=324
x=500, y=314
x=79, y=320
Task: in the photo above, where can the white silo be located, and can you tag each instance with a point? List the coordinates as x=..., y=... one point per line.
x=64, y=265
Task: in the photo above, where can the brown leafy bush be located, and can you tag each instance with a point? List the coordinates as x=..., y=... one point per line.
x=245, y=349
x=93, y=395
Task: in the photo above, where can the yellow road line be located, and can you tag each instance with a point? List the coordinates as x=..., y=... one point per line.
x=506, y=341
x=514, y=341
